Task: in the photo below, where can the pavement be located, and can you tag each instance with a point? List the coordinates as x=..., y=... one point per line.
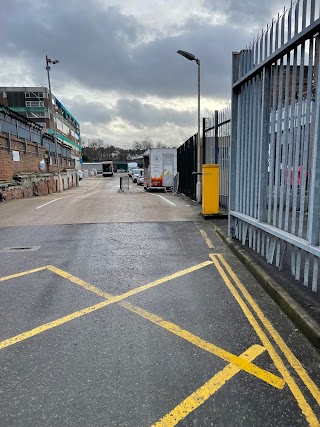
x=300, y=304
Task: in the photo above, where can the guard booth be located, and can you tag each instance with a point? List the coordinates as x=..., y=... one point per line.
x=210, y=189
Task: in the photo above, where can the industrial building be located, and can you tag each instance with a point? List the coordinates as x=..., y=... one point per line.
x=34, y=104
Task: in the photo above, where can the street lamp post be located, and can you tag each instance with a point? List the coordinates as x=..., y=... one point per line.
x=55, y=61
x=191, y=57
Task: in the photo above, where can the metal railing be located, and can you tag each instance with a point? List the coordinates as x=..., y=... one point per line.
x=186, y=166
x=274, y=197
x=216, y=147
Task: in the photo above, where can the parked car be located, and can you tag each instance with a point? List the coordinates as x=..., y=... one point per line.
x=135, y=173
x=140, y=179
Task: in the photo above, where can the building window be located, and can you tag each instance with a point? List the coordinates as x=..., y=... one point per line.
x=37, y=115
x=34, y=103
x=34, y=94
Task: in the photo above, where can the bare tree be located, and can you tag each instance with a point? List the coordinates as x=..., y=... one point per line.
x=160, y=144
x=146, y=143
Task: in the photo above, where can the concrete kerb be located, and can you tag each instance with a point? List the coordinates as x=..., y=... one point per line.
x=301, y=319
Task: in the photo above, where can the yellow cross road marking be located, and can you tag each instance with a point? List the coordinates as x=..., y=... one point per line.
x=242, y=364
x=303, y=404
x=24, y=273
x=223, y=354
x=28, y=334
x=79, y=282
x=196, y=399
x=229, y=357
x=237, y=363
x=207, y=240
x=294, y=362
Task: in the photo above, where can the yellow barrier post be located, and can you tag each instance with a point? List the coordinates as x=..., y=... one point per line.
x=210, y=189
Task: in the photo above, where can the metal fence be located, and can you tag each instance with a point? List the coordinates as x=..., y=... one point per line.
x=274, y=200
x=15, y=124
x=186, y=165
x=216, y=148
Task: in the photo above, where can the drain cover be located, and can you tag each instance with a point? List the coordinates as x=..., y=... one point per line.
x=21, y=249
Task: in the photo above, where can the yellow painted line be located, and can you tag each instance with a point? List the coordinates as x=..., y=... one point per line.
x=207, y=240
x=266, y=376
x=303, y=404
x=28, y=334
x=79, y=282
x=23, y=273
x=294, y=362
x=203, y=393
x=45, y=327
x=133, y=291
x=242, y=364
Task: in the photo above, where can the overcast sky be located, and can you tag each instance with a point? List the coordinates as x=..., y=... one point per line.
x=119, y=73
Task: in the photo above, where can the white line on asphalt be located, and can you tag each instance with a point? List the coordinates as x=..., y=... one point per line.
x=171, y=203
x=166, y=200
x=77, y=194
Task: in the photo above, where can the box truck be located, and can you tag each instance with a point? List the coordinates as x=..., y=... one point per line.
x=107, y=168
x=160, y=167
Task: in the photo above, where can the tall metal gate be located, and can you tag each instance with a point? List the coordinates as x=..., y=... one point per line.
x=186, y=165
x=274, y=200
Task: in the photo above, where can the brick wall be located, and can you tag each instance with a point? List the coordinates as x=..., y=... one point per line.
x=29, y=158
x=38, y=185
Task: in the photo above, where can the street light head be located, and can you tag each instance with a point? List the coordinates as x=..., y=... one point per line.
x=187, y=55
x=50, y=61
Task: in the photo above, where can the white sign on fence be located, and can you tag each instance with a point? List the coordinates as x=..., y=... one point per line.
x=15, y=156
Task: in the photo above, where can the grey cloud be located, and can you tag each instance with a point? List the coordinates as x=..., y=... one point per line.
x=142, y=115
x=92, y=112
x=100, y=48
x=247, y=12
x=132, y=111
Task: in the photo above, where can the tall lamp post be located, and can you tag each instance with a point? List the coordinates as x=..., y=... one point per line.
x=191, y=57
x=53, y=61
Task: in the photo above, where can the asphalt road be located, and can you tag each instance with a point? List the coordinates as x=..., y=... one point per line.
x=126, y=309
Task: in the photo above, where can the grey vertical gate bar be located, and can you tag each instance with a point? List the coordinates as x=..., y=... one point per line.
x=204, y=140
x=306, y=135
x=244, y=147
x=277, y=142
x=264, y=144
x=253, y=148
x=314, y=205
x=271, y=145
x=233, y=145
x=239, y=163
x=285, y=173
x=258, y=147
x=216, y=137
x=291, y=141
x=315, y=274
x=248, y=148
